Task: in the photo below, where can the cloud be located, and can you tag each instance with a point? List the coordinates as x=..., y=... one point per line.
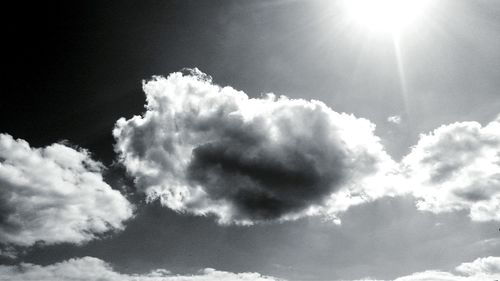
x=396, y=119
x=457, y=167
x=54, y=194
x=93, y=269
x=488, y=265
x=204, y=149
x=481, y=269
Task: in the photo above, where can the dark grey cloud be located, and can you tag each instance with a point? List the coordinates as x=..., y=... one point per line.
x=54, y=194
x=205, y=149
x=257, y=181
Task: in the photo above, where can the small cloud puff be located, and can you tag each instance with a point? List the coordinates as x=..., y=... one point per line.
x=54, y=194
x=396, y=119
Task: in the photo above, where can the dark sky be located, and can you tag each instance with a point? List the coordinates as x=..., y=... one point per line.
x=74, y=68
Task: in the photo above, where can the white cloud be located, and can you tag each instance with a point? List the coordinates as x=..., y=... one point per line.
x=202, y=149
x=432, y=275
x=93, y=269
x=488, y=265
x=481, y=269
x=457, y=167
x=396, y=119
x=54, y=194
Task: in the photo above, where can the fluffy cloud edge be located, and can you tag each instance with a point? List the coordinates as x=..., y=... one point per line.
x=457, y=167
x=55, y=194
x=192, y=126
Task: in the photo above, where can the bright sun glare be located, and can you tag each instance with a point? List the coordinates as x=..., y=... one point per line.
x=386, y=15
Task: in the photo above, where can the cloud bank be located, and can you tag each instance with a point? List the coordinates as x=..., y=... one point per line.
x=93, y=269
x=457, y=167
x=54, y=194
x=203, y=149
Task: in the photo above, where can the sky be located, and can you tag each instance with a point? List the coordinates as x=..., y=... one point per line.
x=251, y=140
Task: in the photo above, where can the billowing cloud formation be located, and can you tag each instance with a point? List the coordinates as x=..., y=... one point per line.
x=93, y=269
x=205, y=149
x=54, y=194
x=457, y=167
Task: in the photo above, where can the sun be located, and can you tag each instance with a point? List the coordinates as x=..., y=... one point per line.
x=390, y=16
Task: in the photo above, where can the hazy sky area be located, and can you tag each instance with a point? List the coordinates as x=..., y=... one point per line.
x=382, y=163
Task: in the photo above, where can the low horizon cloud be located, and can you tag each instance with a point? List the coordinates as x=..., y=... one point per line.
x=94, y=269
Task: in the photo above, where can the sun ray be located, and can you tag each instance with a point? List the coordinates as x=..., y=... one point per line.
x=401, y=72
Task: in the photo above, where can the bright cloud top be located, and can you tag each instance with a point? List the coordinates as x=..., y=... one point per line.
x=54, y=194
x=203, y=149
x=93, y=269
x=457, y=167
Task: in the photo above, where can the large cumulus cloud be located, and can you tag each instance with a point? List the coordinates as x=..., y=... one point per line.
x=205, y=149
x=457, y=167
x=54, y=194
x=93, y=269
